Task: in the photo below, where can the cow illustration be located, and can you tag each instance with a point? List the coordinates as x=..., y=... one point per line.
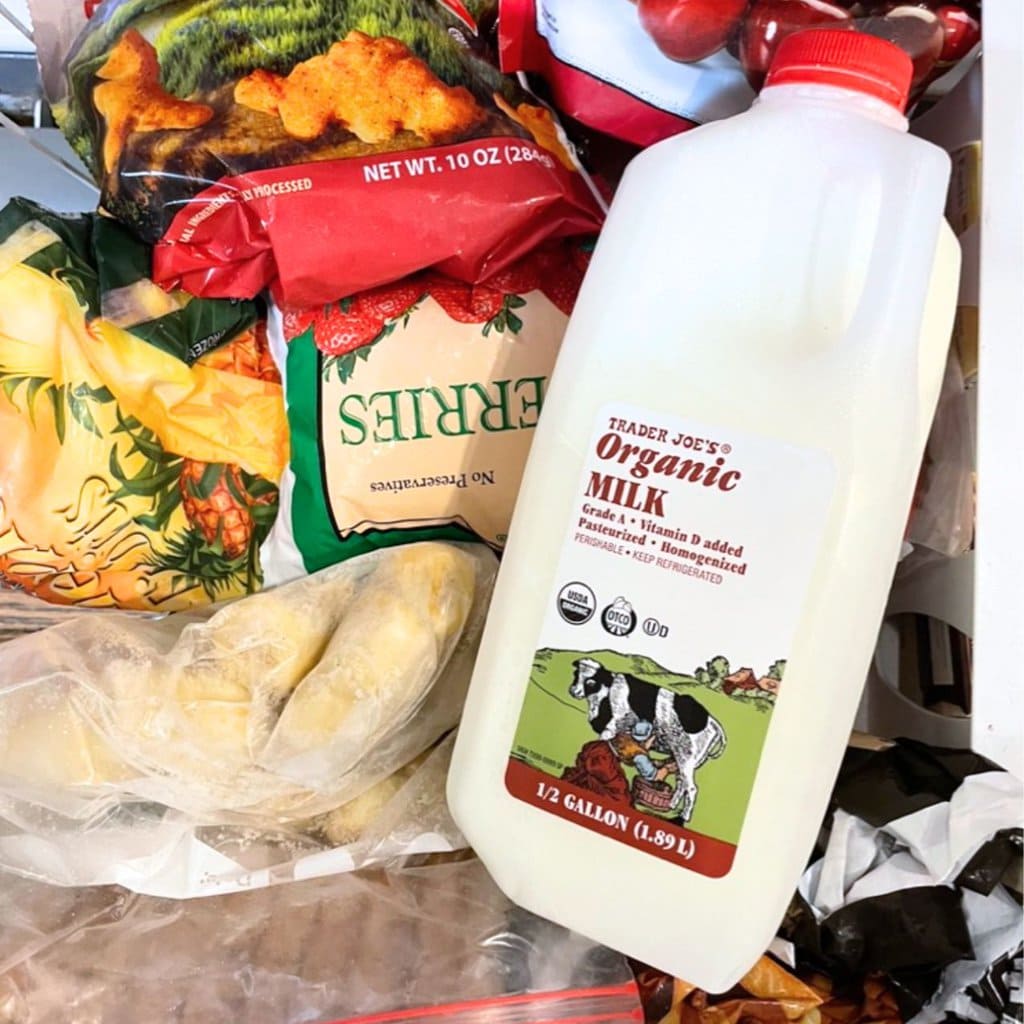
x=683, y=728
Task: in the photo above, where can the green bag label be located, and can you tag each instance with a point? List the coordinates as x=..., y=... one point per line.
x=421, y=431
x=681, y=584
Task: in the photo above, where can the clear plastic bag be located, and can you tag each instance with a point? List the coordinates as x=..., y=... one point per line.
x=943, y=516
x=431, y=942
x=181, y=754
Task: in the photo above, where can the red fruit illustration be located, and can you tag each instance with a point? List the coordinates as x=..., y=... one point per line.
x=962, y=32
x=338, y=331
x=690, y=30
x=563, y=289
x=519, y=279
x=770, y=21
x=580, y=257
x=297, y=322
x=453, y=297
x=389, y=301
x=485, y=303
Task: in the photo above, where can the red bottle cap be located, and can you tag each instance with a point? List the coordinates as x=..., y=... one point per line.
x=848, y=59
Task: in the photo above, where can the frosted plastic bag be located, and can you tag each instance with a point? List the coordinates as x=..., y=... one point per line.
x=435, y=942
x=125, y=742
x=943, y=515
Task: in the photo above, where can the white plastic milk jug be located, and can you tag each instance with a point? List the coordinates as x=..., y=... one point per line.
x=711, y=517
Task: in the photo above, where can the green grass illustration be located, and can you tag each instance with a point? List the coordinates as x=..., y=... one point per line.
x=553, y=727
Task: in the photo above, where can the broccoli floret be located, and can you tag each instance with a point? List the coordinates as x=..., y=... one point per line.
x=778, y=667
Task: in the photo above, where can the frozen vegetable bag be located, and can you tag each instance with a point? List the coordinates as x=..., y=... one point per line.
x=143, y=431
x=321, y=147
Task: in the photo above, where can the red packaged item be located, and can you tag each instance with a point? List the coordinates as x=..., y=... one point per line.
x=605, y=71
x=643, y=70
x=321, y=149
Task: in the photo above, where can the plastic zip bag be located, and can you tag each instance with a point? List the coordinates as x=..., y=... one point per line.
x=608, y=1005
x=434, y=942
x=201, y=751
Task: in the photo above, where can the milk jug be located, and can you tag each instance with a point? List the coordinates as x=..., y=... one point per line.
x=711, y=517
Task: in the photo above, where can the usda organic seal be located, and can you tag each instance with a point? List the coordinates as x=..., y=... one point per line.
x=576, y=603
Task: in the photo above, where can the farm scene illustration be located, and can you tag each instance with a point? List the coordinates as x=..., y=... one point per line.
x=684, y=747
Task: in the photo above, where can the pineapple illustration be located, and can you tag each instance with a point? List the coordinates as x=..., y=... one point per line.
x=98, y=510
x=247, y=355
x=227, y=512
x=217, y=499
x=218, y=505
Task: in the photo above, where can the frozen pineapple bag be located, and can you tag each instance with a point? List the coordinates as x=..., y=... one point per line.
x=143, y=431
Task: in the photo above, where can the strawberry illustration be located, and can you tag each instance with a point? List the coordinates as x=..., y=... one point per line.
x=563, y=287
x=454, y=297
x=476, y=304
x=580, y=256
x=338, y=331
x=520, y=278
x=388, y=302
x=485, y=303
x=297, y=322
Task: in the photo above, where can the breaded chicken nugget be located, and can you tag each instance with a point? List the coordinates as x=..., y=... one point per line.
x=375, y=88
x=131, y=98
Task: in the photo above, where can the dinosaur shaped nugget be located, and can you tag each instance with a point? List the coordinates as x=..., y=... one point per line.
x=375, y=88
x=131, y=99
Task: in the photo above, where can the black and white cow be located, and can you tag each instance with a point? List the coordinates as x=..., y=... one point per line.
x=683, y=728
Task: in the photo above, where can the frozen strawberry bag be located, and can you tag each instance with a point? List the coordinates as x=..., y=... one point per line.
x=143, y=431
x=320, y=148
x=642, y=70
x=411, y=408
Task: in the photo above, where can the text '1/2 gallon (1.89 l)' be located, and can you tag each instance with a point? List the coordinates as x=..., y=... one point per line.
x=711, y=516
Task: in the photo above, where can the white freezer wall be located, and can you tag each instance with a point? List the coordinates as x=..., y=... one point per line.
x=998, y=693
x=25, y=171
x=11, y=39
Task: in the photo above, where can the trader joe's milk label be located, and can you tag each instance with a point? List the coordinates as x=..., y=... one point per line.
x=681, y=582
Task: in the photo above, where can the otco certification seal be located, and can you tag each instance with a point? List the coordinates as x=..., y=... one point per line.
x=618, y=618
